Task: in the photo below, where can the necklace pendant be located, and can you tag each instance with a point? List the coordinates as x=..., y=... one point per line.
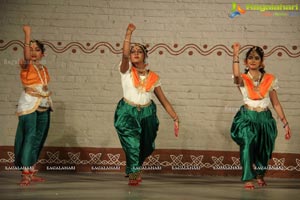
x=141, y=89
x=256, y=88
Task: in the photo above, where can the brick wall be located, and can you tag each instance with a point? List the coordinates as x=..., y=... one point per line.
x=190, y=47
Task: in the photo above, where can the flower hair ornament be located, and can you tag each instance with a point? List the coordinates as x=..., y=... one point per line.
x=257, y=48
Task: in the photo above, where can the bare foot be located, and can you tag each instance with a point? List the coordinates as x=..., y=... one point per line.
x=35, y=178
x=25, y=181
x=261, y=182
x=249, y=185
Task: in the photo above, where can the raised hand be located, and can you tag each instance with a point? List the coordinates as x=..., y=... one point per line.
x=26, y=29
x=27, y=54
x=131, y=27
x=236, y=48
x=288, y=133
x=126, y=48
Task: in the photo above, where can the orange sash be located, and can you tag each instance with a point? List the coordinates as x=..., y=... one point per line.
x=263, y=87
x=144, y=85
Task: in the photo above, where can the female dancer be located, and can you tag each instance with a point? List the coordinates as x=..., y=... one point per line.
x=253, y=128
x=34, y=108
x=135, y=120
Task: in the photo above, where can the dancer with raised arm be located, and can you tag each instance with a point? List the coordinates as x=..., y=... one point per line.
x=135, y=120
x=33, y=110
x=254, y=128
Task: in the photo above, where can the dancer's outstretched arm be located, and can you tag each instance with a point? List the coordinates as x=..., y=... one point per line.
x=126, y=48
x=168, y=107
x=236, y=64
x=279, y=110
x=24, y=62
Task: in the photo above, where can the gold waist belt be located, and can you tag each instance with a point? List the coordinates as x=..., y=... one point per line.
x=257, y=109
x=137, y=105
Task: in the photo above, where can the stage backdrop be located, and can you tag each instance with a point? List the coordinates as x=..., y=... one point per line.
x=189, y=44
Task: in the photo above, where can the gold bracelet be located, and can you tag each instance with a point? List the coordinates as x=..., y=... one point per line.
x=285, y=125
x=126, y=41
x=236, y=61
x=26, y=44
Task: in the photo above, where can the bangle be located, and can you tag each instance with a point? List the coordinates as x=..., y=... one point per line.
x=26, y=45
x=126, y=41
x=175, y=119
x=236, y=61
x=285, y=125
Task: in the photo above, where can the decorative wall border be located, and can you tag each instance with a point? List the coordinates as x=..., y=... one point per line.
x=175, y=161
x=174, y=50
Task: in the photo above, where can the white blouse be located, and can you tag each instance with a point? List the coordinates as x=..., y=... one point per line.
x=263, y=103
x=131, y=93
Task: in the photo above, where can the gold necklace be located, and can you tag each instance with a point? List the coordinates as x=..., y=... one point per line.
x=44, y=82
x=142, y=82
x=256, y=82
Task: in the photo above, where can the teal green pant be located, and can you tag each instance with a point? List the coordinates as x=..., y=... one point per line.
x=255, y=133
x=31, y=134
x=137, y=129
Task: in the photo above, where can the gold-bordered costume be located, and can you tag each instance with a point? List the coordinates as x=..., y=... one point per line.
x=33, y=111
x=254, y=128
x=35, y=94
x=135, y=118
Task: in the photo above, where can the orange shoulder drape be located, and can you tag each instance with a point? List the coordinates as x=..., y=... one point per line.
x=30, y=76
x=263, y=87
x=150, y=81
